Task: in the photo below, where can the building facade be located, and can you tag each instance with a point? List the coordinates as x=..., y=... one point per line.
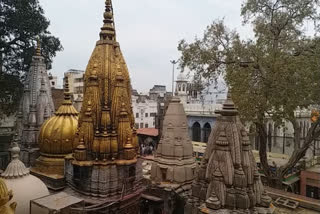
x=200, y=106
x=145, y=111
x=76, y=82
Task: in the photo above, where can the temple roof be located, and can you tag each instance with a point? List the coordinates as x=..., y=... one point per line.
x=60, y=129
x=106, y=109
x=15, y=168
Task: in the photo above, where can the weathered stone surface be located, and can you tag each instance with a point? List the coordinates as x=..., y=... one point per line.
x=174, y=162
x=36, y=106
x=228, y=178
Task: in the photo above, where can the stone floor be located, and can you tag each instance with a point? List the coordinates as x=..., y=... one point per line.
x=296, y=211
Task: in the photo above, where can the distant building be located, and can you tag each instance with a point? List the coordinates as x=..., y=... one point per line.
x=53, y=81
x=280, y=137
x=76, y=82
x=200, y=106
x=157, y=91
x=145, y=111
x=310, y=181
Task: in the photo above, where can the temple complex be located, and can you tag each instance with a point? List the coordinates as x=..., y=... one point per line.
x=36, y=106
x=56, y=140
x=228, y=178
x=25, y=187
x=104, y=167
x=173, y=169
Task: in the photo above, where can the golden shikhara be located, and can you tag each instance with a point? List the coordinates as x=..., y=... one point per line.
x=106, y=120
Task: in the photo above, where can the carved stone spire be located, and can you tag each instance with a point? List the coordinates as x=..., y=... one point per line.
x=174, y=162
x=36, y=106
x=231, y=178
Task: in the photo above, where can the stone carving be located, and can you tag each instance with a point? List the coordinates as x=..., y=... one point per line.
x=36, y=106
x=174, y=163
x=228, y=175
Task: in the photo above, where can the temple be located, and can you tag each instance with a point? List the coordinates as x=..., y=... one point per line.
x=174, y=166
x=36, y=106
x=228, y=178
x=56, y=140
x=104, y=164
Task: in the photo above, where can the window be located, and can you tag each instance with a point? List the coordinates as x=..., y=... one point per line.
x=196, y=132
x=146, y=125
x=153, y=114
x=207, y=131
x=146, y=115
x=78, y=80
x=137, y=115
x=141, y=125
x=136, y=125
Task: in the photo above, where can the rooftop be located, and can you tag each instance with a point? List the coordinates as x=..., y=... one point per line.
x=148, y=131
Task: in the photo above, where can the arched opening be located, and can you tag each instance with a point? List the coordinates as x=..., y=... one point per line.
x=196, y=132
x=183, y=87
x=206, y=131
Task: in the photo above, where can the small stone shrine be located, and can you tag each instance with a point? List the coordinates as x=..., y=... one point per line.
x=173, y=170
x=228, y=180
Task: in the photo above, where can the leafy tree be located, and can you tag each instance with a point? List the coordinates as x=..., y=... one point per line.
x=22, y=22
x=270, y=75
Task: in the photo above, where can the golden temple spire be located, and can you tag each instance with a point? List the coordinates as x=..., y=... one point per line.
x=108, y=30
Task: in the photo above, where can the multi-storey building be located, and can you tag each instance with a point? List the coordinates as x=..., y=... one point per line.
x=200, y=106
x=145, y=111
x=76, y=82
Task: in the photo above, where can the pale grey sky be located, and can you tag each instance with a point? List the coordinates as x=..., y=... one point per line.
x=148, y=32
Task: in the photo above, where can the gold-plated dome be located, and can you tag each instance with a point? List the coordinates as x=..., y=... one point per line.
x=57, y=133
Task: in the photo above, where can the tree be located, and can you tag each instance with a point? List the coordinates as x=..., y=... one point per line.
x=22, y=22
x=270, y=75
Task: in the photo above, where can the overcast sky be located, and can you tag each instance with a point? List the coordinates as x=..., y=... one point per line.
x=148, y=32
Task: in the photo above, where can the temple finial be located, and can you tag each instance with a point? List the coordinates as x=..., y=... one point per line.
x=67, y=94
x=38, y=50
x=108, y=30
x=228, y=107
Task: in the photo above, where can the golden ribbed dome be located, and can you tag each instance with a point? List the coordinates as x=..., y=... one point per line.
x=58, y=132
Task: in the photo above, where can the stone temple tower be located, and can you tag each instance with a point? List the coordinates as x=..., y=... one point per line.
x=174, y=167
x=36, y=106
x=104, y=164
x=228, y=177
